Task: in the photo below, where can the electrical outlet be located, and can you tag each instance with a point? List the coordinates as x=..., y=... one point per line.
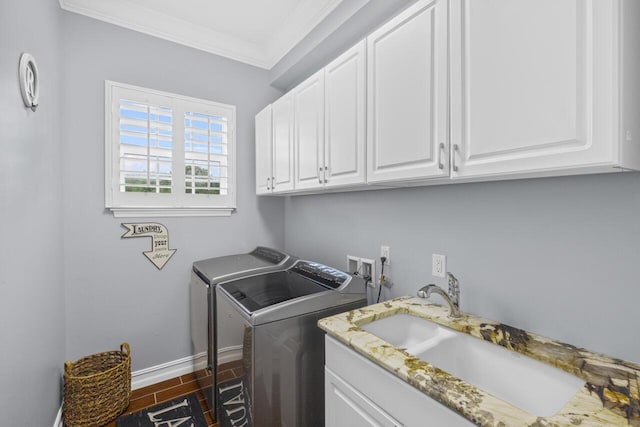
x=385, y=251
x=438, y=265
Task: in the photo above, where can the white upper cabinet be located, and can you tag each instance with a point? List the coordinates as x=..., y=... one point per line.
x=535, y=87
x=467, y=90
x=264, y=151
x=309, y=132
x=407, y=90
x=282, y=118
x=345, y=118
x=330, y=124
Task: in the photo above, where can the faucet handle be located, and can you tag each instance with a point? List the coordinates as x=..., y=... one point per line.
x=454, y=284
x=454, y=289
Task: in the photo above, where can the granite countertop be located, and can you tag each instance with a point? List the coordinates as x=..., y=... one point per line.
x=610, y=396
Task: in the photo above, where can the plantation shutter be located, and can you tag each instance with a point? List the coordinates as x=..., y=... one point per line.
x=206, y=163
x=168, y=155
x=145, y=147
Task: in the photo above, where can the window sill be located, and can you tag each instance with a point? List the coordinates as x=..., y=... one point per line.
x=143, y=212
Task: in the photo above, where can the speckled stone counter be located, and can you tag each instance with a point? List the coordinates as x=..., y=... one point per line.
x=610, y=396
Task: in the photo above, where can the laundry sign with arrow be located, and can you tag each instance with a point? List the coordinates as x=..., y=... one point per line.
x=160, y=252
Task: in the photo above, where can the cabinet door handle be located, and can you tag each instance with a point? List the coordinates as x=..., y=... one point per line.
x=268, y=179
x=453, y=158
x=440, y=151
x=273, y=182
x=320, y=175
x=325, y=174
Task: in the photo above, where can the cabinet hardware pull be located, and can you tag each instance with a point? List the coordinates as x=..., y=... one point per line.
x=453, y=158
x=440, y=151
x=320, y=175
x=268, y=179
x=325, y=174
x=273, y=182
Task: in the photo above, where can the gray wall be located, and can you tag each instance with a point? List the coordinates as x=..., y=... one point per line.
x=32, y=335
x=349, y=23
x=113, y=292
x=556, y=256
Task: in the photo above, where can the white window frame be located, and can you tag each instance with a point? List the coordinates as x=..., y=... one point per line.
x=176, y=203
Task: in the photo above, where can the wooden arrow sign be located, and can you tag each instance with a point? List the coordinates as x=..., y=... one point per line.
x=160, y=252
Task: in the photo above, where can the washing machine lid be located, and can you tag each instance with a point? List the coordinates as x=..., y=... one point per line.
x=304, y=288
x=303, y=278
x=214, y=270
x=265, y=290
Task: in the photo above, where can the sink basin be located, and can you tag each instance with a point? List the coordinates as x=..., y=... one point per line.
x=403, y=330
x=533, y=386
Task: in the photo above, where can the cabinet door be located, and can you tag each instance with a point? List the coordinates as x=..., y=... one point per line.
x=407, y=114
x=532, y=85
x=346, y=407
x=282, y=175
x=264, y=151
x=345, y=118
x=309, y=132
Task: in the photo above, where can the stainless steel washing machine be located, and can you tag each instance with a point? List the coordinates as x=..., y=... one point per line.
x=205, y=276
x=283, y=349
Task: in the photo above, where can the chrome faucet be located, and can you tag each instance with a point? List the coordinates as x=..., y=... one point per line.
x=452, y=297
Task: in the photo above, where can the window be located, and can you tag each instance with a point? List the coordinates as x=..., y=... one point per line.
x=167, y=155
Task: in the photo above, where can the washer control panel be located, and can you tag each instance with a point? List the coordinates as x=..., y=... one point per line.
x=270, y=255
x=323, y=274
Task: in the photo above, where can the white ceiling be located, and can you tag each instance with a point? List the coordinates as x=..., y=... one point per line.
x=257, y=32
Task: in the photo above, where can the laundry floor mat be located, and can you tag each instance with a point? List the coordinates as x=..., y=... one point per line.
x=182, y=411
x=234, y=407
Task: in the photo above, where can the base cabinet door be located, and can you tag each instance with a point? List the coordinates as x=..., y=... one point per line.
x=346, y=407
x=532, y=86
x=360, y=393
x=407, y=93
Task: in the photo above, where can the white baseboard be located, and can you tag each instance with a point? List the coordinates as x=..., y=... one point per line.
x=186, y=365
x=165, y=371
x=229, y=354
x=58, y=422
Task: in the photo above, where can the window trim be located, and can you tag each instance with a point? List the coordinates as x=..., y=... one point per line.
x=154, y=207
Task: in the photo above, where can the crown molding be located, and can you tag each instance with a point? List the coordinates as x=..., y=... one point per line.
x=144, y=20
x=264, y=55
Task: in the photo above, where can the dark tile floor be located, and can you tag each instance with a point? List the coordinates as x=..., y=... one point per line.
x=175, y=387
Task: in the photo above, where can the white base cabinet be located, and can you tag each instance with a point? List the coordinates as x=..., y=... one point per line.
x=346, y=406
x=359, y=393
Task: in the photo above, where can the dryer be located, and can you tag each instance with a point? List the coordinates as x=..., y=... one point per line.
x=205, y=277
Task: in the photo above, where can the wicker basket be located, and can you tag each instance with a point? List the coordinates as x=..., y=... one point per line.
x=97, y=388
